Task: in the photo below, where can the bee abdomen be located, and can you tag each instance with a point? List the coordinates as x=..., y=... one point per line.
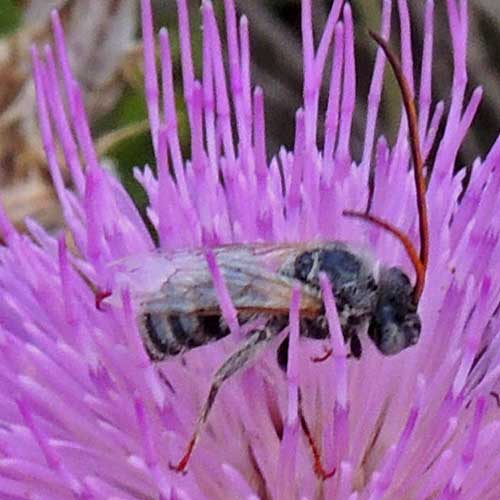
x=168, y=335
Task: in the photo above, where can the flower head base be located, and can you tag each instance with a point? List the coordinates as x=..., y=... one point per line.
x=83, y=411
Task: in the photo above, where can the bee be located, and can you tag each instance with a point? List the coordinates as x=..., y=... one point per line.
x=178, y=294
x=179, y=304
x=183, y=312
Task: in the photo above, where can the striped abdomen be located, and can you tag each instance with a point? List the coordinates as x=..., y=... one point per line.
x=168, y=335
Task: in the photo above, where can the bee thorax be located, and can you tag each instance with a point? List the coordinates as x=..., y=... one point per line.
x=353, y=283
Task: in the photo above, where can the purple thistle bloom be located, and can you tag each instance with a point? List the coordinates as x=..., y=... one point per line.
x=85, y=414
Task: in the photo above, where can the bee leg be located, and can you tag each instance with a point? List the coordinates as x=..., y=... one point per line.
x=495, y=395
x=319, y=469
x=356, y=348
x=328, y=351
x=238, y=360
x=100, y=296
x=282, y=354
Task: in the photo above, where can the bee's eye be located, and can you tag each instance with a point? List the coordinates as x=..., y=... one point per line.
x=394, y=282
x=392, y=331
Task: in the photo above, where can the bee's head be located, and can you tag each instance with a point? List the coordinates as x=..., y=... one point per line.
x=395, y=324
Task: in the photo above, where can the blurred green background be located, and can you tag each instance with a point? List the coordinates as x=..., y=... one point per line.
x=10, y=16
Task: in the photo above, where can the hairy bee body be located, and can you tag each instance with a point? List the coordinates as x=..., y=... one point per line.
x=179, y=306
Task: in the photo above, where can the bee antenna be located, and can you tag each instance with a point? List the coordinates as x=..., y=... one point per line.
x=403, y=238
x=420, y=262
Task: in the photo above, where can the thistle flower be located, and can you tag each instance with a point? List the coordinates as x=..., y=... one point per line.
x=85, y=414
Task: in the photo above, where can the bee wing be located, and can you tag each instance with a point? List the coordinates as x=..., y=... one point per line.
x=181, y=283
x=145, y=275
x=142, y=274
